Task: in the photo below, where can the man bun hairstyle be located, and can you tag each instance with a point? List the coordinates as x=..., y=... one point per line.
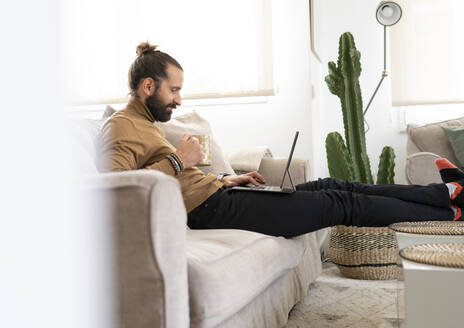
x=149, y=63
x=145, y=47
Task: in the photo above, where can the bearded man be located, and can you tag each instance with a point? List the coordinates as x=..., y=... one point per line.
x=130, y=140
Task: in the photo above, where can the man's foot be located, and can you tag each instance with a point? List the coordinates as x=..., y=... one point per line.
x=456, y=192
x=457, y=213
x=448, y=171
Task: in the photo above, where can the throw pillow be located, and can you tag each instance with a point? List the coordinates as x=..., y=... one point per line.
x=108, y=112
x=455, y=135
x=194, y=123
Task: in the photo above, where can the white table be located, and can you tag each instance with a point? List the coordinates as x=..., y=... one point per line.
x=433, y=295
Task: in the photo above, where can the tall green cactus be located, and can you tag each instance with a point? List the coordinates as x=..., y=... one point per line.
x=350, y=162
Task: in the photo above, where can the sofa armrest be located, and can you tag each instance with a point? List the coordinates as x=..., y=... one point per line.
x=421, y=169
x=148, y=218
x=272, y=169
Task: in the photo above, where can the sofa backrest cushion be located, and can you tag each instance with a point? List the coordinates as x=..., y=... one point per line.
x=432, y=138
x=83, y=137
x=194, y=123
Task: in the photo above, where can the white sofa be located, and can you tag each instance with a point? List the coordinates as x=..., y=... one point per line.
x=425, y=144
x=172, y=276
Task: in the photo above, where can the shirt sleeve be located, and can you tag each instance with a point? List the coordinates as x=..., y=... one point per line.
x=122, y=149
x=117, y=147
x=164, y=166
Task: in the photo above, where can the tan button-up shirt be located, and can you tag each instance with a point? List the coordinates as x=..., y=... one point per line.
x=129, y=140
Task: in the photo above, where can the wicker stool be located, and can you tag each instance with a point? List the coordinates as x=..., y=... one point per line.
x=365, y=252
x=430, y=227
x=442, y=254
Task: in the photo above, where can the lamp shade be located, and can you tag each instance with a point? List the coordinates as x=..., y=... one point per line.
x=388, y=13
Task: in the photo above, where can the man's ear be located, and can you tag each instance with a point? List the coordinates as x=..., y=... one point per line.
x=148, y=86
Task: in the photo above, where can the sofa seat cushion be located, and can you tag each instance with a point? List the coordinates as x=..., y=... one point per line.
x=229, y=268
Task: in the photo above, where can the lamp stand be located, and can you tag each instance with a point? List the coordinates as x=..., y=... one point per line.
x=384, y=73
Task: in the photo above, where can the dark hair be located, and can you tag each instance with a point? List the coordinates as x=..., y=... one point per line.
x=149, y=63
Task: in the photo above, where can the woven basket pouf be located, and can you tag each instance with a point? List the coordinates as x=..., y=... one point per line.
x=442, y=254
x=365, y=252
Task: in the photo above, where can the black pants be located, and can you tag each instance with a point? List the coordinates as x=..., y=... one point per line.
x=319, y=204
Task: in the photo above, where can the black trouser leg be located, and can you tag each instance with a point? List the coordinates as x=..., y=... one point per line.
x=305, y=211
x=435, y=194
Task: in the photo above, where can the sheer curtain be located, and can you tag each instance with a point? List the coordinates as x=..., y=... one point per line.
x=427, y=52
x=224, y=46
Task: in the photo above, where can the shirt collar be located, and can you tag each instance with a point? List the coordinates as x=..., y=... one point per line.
x=140, y=108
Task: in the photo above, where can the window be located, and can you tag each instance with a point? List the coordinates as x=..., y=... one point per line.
x=427, y=53
x=224, y=46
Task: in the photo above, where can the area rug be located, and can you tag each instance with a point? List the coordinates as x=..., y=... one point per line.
x=334, y=301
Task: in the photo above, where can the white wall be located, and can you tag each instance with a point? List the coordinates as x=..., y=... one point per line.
x=303, y=101
x=387, y=123
x=269, y=121
x=296, y=70
x=358, y=17
x=273, y=122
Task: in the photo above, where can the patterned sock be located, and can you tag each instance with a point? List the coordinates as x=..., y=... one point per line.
x=457, y=213
x=448, y=171
x=456, y=193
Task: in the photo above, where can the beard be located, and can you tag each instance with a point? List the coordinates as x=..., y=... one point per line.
x=158, y=109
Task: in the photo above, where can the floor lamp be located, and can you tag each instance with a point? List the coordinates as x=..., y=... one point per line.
x=388, y=13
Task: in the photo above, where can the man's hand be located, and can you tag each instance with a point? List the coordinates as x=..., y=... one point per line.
x=236, y=180
x=189, y=151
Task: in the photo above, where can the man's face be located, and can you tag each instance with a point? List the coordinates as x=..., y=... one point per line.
x=167, y=96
